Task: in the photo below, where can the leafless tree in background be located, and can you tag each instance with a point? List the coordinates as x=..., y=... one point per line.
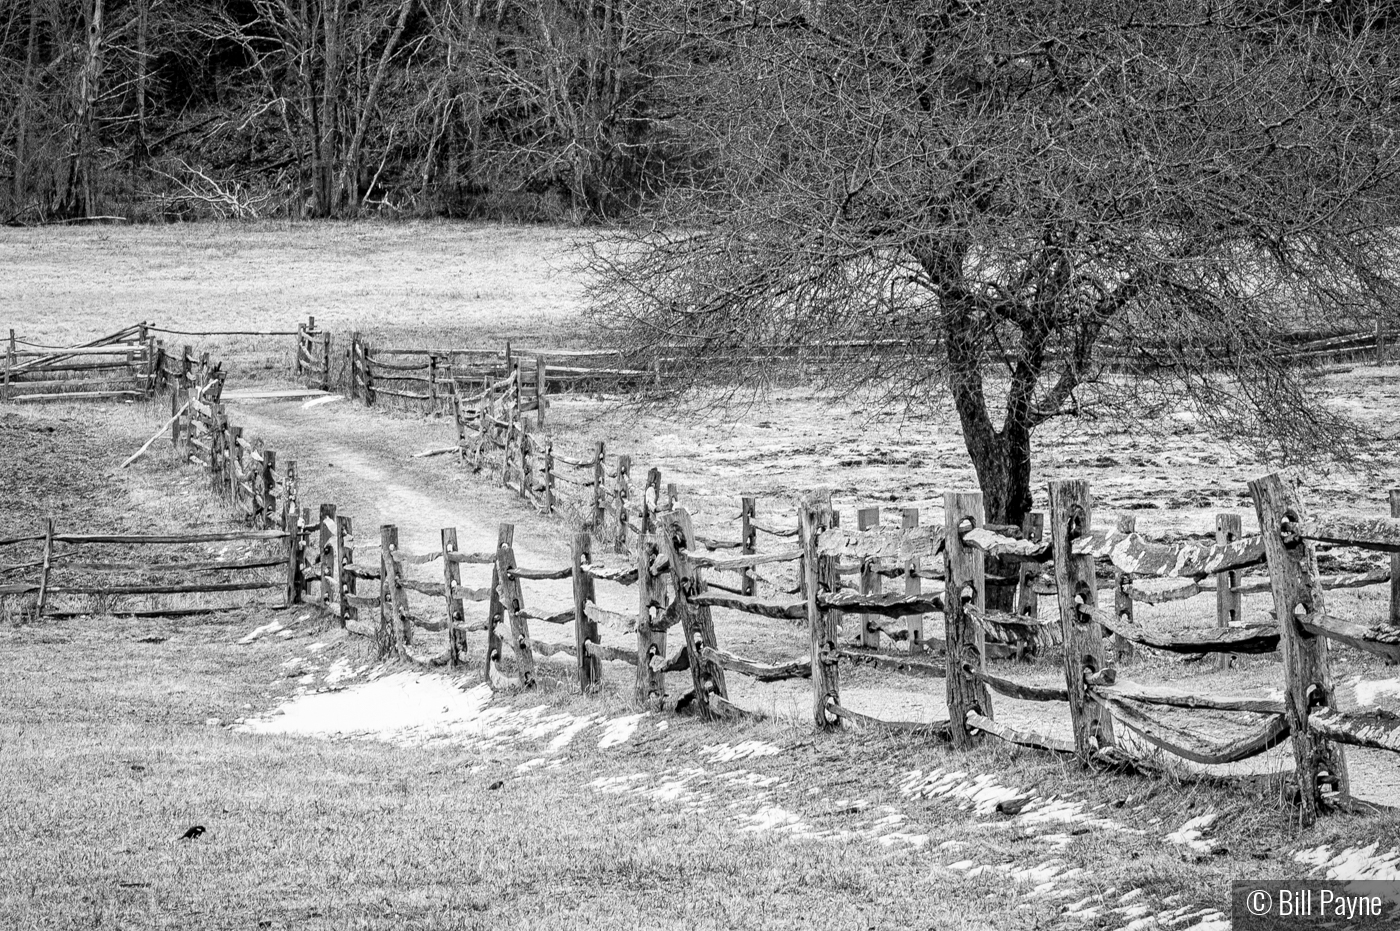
x=984, y=201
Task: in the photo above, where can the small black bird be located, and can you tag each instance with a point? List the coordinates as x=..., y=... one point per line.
x=496, y=785
x=193, y=832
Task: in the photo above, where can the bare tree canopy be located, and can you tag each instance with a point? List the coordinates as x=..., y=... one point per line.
x=990, y=202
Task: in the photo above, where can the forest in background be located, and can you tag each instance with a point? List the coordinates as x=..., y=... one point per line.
x=187, y=109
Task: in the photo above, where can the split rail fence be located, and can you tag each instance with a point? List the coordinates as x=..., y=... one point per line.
x=835, y=590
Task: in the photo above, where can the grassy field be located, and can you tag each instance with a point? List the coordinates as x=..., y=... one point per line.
x=117, y=736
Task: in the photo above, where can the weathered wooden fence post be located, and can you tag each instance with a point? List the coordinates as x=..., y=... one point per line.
x=821, y=575
x=965, y=592
x=707, y=676
x=496, y=611
x=325, y=556
x=339, y=570
x=432, y=383
x=352, y=365
x=871, y=582
x=1123, y=597
x=301, y=348
x=326, y=361
x=651, y=501
x=651, y=636
x=1307, y=676
x=292, y=527
x=349, y=610
x=600, y=479
x=1027, y=600
x=513, y=602
x=548, y=476
x=9, y=362
x=590, y=667
x=1228, y=602
x=43, y=597
x=913, y=585
x=268, y=505
x=622, y=491
x=452, y=587
x=540, y=389
x=1071, y=511
x=1394, y=566
x=389, y=635
x=748, y=541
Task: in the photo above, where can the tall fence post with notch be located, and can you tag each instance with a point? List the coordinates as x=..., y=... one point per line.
x=964, y=601
x=871, y=582
x=1027, y=573
x=1306, y=673
x=913, y=585
x=748, y=541
x=541, y=388
x=325, y=557
x=1123, y=597
x=821, y=575
x=1228, y=602
x=389, y=635
x=1071, y=512
x=495, y=609
x=452, y=591
x=1394, y=496
x=707, y=676
x=651, y=636
x=600, y=480
x=291, y=527
x=590, y=667
x=622, y=491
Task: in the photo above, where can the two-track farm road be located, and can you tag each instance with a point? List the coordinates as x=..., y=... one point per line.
x=362, y=462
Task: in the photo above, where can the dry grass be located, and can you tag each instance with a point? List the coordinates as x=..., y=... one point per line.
x=107, y=756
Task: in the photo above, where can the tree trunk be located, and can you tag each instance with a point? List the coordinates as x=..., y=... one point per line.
x=143, y=30
x=21, y=172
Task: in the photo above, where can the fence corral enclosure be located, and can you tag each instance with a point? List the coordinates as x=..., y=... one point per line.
x=908, y=600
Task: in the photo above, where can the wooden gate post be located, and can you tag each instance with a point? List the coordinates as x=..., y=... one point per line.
x=301, y=344
x=965, y=591
x=353, y=364
x=1307, y=676
x=590, y=667
x=326, y=361
x=452, y=586
x=748, y=541
x=707, y=677
x=1071, y=511
x=821, y=575
x=1228, y=602
x=548, y=475
x=338, y=570
x=913, y=585
x=651, y=639
x=1123, y=597
x=268, y=505
x=871, y=582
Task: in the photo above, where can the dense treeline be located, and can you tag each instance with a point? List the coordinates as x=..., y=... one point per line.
x=329, y=108
x=552, y=109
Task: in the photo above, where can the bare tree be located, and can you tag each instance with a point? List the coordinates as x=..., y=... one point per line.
x=990, y=202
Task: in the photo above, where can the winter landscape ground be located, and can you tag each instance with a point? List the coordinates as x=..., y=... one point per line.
x=342, y=793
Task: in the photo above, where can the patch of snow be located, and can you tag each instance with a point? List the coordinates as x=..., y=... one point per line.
x=269, y=628
x=620, y=730
x=1353, y=862
x=724, y=753
x=1190, y=833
